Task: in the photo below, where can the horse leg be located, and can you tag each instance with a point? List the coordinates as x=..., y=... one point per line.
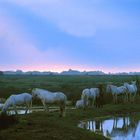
x=47, y=107
x=85, y=104
x=93, y=102
x=114, y=99
x=15, y=109
x=27, y=108
x=64, y=109
x=134, y=97
x=127, y=97
x=90, y=103
x=124, y=97
x=30, y=106
x=61, y=111
x=130, y=97
x=44, y=104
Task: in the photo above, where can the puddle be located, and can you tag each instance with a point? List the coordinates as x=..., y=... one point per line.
x=116, y=128
x=20, y=112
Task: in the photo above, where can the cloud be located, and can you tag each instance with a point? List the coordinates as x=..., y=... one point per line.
x=77, y=18
x=19, y=51
x=15, y=44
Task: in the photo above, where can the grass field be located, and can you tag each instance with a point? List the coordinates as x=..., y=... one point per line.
x=42, y=125
x=72, y=86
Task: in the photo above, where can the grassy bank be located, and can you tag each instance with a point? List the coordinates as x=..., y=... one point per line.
x=41, y=125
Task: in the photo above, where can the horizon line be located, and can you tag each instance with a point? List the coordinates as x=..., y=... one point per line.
x=71, y=70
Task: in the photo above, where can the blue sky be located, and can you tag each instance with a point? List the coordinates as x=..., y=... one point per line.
x=60, y=34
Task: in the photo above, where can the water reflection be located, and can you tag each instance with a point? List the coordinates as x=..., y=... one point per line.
x=21, y=112
x=34, y=109
x=117, y=128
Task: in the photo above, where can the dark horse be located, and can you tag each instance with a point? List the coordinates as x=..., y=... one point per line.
x=99, y=100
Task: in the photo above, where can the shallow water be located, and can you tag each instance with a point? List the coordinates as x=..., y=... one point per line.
x=116, y=128
x=21, y=112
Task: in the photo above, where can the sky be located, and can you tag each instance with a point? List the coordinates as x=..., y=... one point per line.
x=56, y=35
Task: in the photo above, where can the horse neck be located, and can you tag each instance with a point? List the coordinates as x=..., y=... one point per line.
x=8, y=103
x=111, y=87
x=134, y=85
x=108, y=89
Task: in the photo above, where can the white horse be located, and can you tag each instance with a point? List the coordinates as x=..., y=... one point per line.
x=19, y=99
x=132, y=90
x=48, y=97
x=79, y=104
x=115, y=91
x=89, y=96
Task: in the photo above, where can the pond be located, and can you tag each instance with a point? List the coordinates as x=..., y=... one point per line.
x=116, y=128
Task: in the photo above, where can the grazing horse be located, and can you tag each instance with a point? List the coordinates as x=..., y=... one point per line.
x=48, y=97
x=19, y=99
x=89, y=96
x=132, y=90
x=79, y=104
x=115, y=91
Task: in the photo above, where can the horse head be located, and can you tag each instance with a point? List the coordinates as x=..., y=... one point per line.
x=108, y=89
x=126, y=84
x=34, y=94
x=133, y=82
